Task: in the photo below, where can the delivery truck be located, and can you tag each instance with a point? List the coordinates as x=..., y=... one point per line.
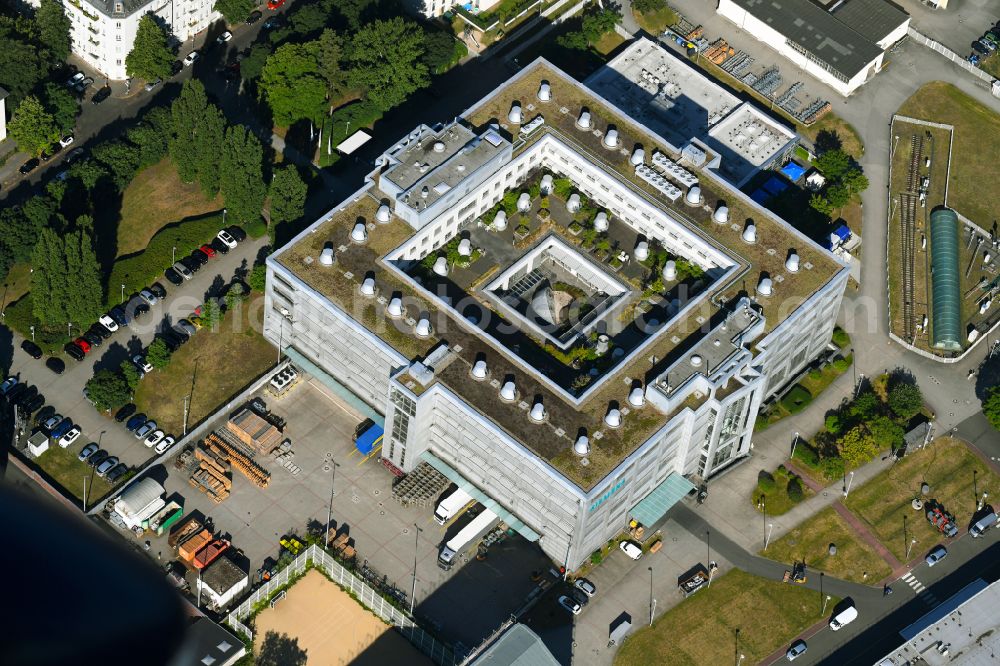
x=477, y=528
x=455, y=503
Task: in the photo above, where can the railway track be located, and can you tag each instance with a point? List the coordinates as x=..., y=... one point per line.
x=908, y=203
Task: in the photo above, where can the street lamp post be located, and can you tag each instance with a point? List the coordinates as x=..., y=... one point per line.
x=825, y=600
x=904, y=530
x=767, y=538
x=847, y=488
x=123, y=293
x=795, y=442
x=909, y=546
x=69, y=329
x=329, y=508
x=223, y=217
x=650, y=595
x=413, y=588
x=854, y=367
x=821, y=589
x=173, y=254
x=32, y=333
x=763, y=508
x=736, y=648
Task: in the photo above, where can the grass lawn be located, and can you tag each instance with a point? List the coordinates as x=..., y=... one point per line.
x=849, y=137
x=977, y=132
x=815, y=382
x=216, y=364
x=155, y=198
x=655, y=22
x=947, y=465
x=810, y=542
x=608, y=43
x=64, y=468
x=18, y=282
x=700, y=630
x=777, y=499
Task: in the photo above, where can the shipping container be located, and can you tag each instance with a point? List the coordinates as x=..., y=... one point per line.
x=209, y=553
x=189, y=548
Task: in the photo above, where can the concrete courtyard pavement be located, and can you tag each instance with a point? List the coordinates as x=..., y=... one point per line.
x=65, y=392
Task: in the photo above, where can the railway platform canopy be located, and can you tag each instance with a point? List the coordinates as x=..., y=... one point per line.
x=946, y=303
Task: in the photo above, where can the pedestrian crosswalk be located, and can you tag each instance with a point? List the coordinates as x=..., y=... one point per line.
x=921, y=590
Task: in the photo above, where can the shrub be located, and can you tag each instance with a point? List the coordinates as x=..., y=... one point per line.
x=596, y=557
x=806, y=454
x=108, y=390
x=257, y=278
x=841, y=364
x=158, y=354
x=815, y=375
x=562, y=188
x=832, y=467
x=797, y=399
x=905, y=401
x=841, y=338
x=256, y=228
x=765, y=482
x=832, y=424
x=794, y=490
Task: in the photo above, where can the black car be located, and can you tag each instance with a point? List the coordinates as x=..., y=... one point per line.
x=100, y=95
x=273, y=22
x=33, y=405
x=55, y=364
x=116, y=472
x=125, y=412
x=199, y=256
x=31, y=349
x=237, y=233
x=139, y=310
x=98, y=457
x=173, y=277
x=94, y=339
x=118, y=314
x=100, y=331
x=15, y=391
x=24, y=396
x=192, y=265
x=254, y=17
x=978, y=47
x=74, y=352
x=73, y=156
x=219, y=246
x=158, y=290
x=176, y=67
x=135, y=421
x=28, y=166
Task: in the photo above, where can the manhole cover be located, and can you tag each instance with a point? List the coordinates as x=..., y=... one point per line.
x=355, y=499
x=377, y=492
x=406, y=530
x=381, y=513
x=380, y=505
x=326, y=468
x=329, y=455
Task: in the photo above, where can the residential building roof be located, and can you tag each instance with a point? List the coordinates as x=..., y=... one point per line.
x=872, y=19
x=518, y=646
x=222, y=575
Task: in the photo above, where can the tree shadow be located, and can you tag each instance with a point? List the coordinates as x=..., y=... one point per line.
x=988, y=376
x=280, y=650
x=827, y=140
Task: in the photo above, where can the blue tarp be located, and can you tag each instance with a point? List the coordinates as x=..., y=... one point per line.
x=369, y=439
x=792, y=171
x=761, y=197
x=837, y=237
x=775, y=186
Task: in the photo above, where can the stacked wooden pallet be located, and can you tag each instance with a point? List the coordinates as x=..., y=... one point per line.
x=719, y=52
x=240, y=460
x=213, y=475
x=253, y=430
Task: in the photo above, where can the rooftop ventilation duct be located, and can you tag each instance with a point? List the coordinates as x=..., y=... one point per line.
x=611, y=138
x=441, y=266
x=465, y=247
x=670, y=270
x=582, y=445
x=765, y=287
x=500, y=221
x=638, y=156
x=524, y=202
x=359, y=234
x=395, y=307
x=383, y=214
x=750, y=233
x=792, y=263
x=693, y=196
x=537, y=413
x=573, y=204
x=425, y=192
x=479, y=369
x=423, y=327
x=546, y=185
x=368, y=286
x=508, y=391
x=696, y=360
x=439, y=146
x=613, y=418
x=584, y=120
x=637, y=397
x=326, y=256
x=601, y=222
x=721, y=214
x=641, y=251
x=545, y=91
x=514, y=115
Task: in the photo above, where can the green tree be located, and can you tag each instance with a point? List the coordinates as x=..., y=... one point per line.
x=234, y=11
x=23, y=67
x=121, y=158
x=131, y=374
x=158, y=354
x=84, y=286
x=648, y=6
x=838, y=195
x=905, y=400
x=885, y=432
x=211, y=313
x=150, y=57
x=252, y=66
x=32, y=127
x=794, y=490
x=196, y=144
x=832, y=424
x=240, y=174
x=53, y=28
x=288, y=195
x=385, y=60
x=152, y=136
x=236, y=294
x=257, y=280
x=63, y=106
x=291, y=84
x=855, y=180
x=864, y=407
x=108, y=390
x=18, y=231
x=89, y=173
x=857, y=447
x=48, y=279
x=833, y=164
x=439, y=50
x=820, y=204
x=330, y=59
x=991, y=406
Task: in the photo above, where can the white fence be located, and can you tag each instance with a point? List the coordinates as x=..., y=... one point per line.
x=948, y=53
x=437, y=651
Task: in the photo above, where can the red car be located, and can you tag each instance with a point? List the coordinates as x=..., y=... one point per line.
x=83, y=345
x=274, y=4
x=207, y=249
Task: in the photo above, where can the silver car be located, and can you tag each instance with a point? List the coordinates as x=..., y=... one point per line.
x=146, y=428
x=184, y=271
x=106, y=466
x=937, y=554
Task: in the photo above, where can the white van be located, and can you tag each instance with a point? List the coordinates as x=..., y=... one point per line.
x=983, y=524
x=844, y=617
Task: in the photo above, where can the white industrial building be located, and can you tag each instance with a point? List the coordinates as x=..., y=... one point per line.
x=103, y=31
x=139, y=502
x=842, y=46
x=565, y=426
x=222, y=581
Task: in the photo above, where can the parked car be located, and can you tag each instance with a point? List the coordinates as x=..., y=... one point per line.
x=185, y=327
x=70, y=437
x=28, y=166
x=144, y=430
x=15, y=391
x=73, y=156
x=52, y=422
x=106, y=466
x=118, y=314
x=100, y=331
x=98, y=457
x=227, y=238
x=570, y=604
x=273, y=22
x=207, y=249
x=116, y=472
x=75, y=79
x=199, y=256
x=108, y=322
x=148, y=296
x=7, y=385
x=74, y=351
x=141, y=363
x=237, y=233
x=154, y=438
x=159, y=290
x=34, y=404
x=192, y=265
x=191, y=58
x=83, y=344
x=796, y=650
x=152, y=84
x=254, y=17
x=92, y=338
x=937, y=554
x=219, y=246
x=133, y=423
x=980, y=48
x=55, y=364
x=223, y=38
x=173, y=277
x=175, y=67
x=31, y=349
x=181, y=268
x=585, y=586
x=165, y=444
x=62, y=428
x=66, y=141
x=139, y=310
x=125, y=412
x=631, y=548
x=24, y=396
x=86, y=83
x=100, y=95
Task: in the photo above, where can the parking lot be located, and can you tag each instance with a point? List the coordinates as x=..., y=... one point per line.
x=465, y=604
x=64, y=393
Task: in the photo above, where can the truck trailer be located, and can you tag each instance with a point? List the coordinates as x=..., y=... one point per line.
x=452, y=505
x=478, y=527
